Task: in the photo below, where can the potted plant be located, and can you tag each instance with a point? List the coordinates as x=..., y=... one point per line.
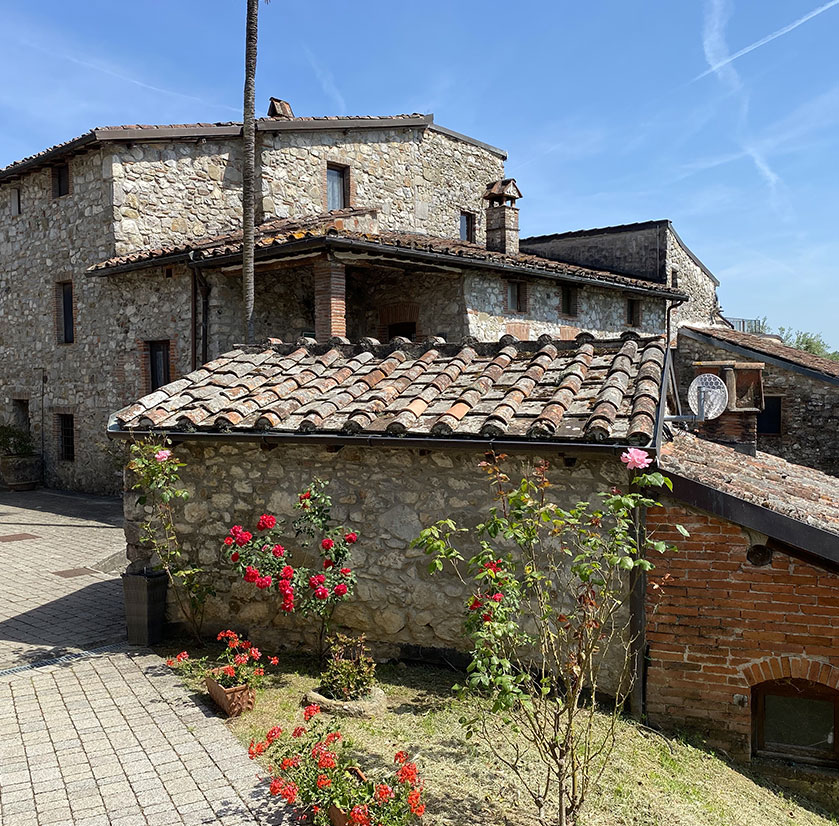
x=20, y=465
x=309, y=770
x=232, y=678
x=348, y=682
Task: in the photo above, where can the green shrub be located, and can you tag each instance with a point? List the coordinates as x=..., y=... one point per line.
x=15, y=442
x=350, y=671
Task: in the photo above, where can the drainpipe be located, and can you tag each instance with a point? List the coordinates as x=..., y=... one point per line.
x=199, y=285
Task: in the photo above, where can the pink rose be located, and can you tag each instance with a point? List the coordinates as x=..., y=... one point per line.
x=162, y=455
x=635, y=458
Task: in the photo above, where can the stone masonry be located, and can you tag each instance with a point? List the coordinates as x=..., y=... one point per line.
x=398, y=605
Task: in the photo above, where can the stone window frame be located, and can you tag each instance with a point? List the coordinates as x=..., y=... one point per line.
x=792, y=687
x=56, y=181
x=634, y=311
x=15, y=202
x=522, y=294
x=60, y=327
x=572, y=292
x=60, y=417
x=349, y=183
x=781, y=410
x=471, y=226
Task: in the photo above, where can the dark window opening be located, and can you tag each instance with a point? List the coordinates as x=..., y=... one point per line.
x=467, y=227
x=66, y=438
x=15, y=202
x=337, y=187
x=408, y=329
x=633, y=312
x=67, y=332
x=158, y=363
x=516, y=296
x=568, y=305
x=60, y=180
x=674, y=278
x=769, y=419
x=796, y=719
x=20, y=414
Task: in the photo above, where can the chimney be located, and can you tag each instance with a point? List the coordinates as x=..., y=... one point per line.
x=279, y=108
x=502, y=216
x=737, y=426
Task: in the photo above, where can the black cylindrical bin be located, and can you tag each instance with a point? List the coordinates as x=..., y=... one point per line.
x=145, y=606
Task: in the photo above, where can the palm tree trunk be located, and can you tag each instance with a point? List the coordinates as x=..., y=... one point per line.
x=249, y=168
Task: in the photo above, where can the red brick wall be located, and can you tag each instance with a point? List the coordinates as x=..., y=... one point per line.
x=720, y=625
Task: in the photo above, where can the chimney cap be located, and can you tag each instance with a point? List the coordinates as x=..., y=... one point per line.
x=278, y=108
x=503, y=190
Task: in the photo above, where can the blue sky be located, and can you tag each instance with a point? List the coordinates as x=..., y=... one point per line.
x=611, y=111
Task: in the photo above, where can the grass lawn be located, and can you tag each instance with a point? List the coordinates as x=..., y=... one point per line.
x=649, y=781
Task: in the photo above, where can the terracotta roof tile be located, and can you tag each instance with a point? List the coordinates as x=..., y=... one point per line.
x=344, y=224
x=768, y=346
x=549, y=390
x=796, y=491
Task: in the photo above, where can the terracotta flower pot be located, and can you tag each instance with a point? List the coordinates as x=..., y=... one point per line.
x=232, y=701
x=338, y=817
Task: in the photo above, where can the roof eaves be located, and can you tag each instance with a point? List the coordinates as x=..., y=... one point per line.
x=821, y=544
x=317, y=124
x=716, y=341
x=15, y=170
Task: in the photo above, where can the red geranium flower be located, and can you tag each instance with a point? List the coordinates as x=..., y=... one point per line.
x=274, y=660
x=310, y=711
x=400, y=757
x=384, y=793
x=299, y=731
x=323, y=781
x=273, y=734
x=407, y=773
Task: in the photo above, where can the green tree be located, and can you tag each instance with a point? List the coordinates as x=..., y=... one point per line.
x=808, y=342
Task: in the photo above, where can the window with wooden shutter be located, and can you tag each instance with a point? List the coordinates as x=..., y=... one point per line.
x=60, y=180
x=568, y=301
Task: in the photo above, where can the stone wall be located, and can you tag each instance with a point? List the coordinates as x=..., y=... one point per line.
x=600, y=312
x=387, y=495
x=418, y=179
x=685, y=274
x=809, y=408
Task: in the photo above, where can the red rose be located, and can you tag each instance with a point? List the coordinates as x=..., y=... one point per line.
x=306, y=495
x=346, y=571
x=351, y=537
x=234, y=557
x=287, y=572
x=228, y=540
x=340, y=589
x=278, y=551
x=266, y=522
x=327, y=544
x=251, y=574
x=243, y=538
x=497, y=597
x=236, y=530
x=327, y=564
x=475, y=604
x=321, y=592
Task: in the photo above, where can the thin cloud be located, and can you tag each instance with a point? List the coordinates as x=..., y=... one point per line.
x=104, y=70
x=715, y=67
x=327, y=82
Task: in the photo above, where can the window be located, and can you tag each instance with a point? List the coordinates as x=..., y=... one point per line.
x=633, y=312
x=66, y=438
x=467, y=226
x=408, y=329
x=674, y=278
x=60, y=180
x=20, y=414
x=517, y=296
x=337, y=187
x=769, y=420
x=158, y=363
x=14, y=201
x=796, y=719
x=568, y=301
x=64, y=312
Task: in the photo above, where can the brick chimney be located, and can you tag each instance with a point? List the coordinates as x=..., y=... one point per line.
x=502, y=216
x=737, y=426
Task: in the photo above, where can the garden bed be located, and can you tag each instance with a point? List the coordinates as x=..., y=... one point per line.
x=648, y=782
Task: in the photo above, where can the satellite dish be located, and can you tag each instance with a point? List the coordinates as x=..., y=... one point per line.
x=707, y=396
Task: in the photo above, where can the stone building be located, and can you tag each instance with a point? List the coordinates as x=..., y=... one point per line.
x=799, y=416
x=651, y=250
x=737, y=640
x=119, y=261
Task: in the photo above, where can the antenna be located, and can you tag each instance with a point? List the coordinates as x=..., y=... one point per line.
x=707, y=398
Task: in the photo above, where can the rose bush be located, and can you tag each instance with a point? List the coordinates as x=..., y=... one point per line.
x=262, y=560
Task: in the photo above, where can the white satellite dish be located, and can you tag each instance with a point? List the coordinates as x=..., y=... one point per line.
x=707, y=396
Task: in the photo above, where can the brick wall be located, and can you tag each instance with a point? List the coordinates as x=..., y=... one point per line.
x=720, y=625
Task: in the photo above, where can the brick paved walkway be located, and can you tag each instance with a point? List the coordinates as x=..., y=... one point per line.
x=99, y=739
x=43, y=614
